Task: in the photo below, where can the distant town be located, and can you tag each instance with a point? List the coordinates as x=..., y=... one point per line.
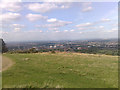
x=108, y=46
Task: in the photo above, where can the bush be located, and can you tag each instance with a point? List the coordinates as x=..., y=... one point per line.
x=53, y=52
x=33, y=50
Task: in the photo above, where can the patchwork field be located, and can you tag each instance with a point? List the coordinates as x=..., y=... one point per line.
x=61, y=70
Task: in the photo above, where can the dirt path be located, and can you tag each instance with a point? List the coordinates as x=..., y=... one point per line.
x=6, y=63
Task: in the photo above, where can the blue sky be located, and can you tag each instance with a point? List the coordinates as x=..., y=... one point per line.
x=58, y=20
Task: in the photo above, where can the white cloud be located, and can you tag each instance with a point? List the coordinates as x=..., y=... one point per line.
x=86, y=7
x=52, y=20
x=57, y=31
x=80, y=32
x=72, y=30
x=54, y=29
x=86, y=4
x=65, y=30
x=35, y=17
x=46, y=6
x=40, y=31
x=17, y=29
x=113, y=30
x=101, y=27
x=81, y=28
x=63, y=6
x=32, y=31
x=89, y=24
x=17, y=25
x=84, y=25
x=9, y=17
x=11, y=0
x=11, y=6
x=58, y=23
x=105, y=20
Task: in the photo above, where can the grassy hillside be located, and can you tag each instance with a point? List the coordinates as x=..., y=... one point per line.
x=61, y=70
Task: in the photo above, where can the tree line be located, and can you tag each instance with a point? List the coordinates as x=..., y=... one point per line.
x=3, y=47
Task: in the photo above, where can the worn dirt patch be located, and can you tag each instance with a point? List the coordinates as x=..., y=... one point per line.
x=6, y=63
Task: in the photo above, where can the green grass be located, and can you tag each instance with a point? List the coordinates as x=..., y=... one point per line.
x=61, y=70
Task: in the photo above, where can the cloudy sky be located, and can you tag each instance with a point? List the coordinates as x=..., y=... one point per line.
x=58, y=21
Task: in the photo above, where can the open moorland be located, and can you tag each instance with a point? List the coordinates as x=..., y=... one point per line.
x=60, y=70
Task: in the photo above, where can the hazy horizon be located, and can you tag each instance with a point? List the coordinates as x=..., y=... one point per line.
x=60, y=40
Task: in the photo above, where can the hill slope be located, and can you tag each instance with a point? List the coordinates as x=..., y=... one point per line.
x=61, y=70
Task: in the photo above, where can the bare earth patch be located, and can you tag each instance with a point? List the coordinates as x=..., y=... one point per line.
x=6, y=63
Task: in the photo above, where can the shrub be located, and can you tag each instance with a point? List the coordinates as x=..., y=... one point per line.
x=53, y=52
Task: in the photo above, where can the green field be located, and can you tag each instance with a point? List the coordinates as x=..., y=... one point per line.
x=61, y=70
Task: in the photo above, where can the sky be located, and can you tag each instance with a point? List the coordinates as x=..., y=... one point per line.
x=39, y=21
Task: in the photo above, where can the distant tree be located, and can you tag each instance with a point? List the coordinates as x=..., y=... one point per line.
x=3, y=47
x=33, y=50
x=53, y=52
